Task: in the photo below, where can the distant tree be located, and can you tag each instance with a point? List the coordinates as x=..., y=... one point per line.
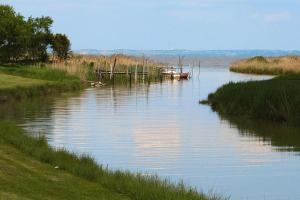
x=61, y=46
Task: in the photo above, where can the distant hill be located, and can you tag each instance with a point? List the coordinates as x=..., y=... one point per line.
x=200, y=53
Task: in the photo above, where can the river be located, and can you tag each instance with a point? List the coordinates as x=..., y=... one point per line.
x=160, y=128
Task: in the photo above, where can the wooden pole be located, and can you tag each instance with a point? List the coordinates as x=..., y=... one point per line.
x=111, y=72
x=147, y=68
x=143, y=68
x=113, y=68
x=199, y=68
x=180, y=64
x=130, y=78
x=135, y=75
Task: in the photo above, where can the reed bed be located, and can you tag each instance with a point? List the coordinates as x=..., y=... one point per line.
x=85, y=66
x=272, y=65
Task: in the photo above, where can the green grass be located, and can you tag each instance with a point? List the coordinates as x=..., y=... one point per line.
x=22, y=177
x=277, y=99
x=27, y=161
x=9, y=82
x=38, y=72
x=18, y=82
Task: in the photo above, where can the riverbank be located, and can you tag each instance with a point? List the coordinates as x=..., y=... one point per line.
x=23, y=177
x=277, y=99
x=285, y=65
x=58, y=174
x=18, y=82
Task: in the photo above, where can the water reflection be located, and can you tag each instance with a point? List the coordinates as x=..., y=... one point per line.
x=281, y=137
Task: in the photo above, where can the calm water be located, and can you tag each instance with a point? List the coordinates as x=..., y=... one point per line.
x=160, y=128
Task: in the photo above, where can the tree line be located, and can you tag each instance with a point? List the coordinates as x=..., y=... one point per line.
x=29, y=39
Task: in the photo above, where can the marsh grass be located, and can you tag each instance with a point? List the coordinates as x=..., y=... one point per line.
x=85, y=66
x=133, y=186
x=277, y=99
x=285, y=65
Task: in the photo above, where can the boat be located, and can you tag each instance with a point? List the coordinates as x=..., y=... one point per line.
x=174, y=74
x=170, y=71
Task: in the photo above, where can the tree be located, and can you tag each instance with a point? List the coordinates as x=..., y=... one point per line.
x=41, y=37
x=13, y=35
x=61, y=46
x=28, y=39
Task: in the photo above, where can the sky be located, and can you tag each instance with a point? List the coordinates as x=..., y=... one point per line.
x=171, y=24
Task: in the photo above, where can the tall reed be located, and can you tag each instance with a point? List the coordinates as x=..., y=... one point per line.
x=272, y=65
x=85, y=66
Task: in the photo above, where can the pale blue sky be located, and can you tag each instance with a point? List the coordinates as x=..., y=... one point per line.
x=172, y=24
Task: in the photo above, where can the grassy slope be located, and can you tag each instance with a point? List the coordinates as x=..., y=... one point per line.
x=22, y=177
x=277, y=99
x=9, y=82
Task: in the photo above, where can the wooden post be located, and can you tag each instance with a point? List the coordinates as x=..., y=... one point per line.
x=143, y=68
x=147, y=68
x=180, y=64
x=130, y=78
x=98, y=74
x=113, y=68
x=199, y=68
x=111, y=72
x=135, y=75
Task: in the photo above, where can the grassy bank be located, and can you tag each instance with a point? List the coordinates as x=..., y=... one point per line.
x=57, y=174
x=19, y=82
x=285, y=65
x=277, y=99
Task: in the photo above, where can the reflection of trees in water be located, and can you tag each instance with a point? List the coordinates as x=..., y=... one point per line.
x=282, y=137
x=34, y=114
x=26, y=110
x=121, y=93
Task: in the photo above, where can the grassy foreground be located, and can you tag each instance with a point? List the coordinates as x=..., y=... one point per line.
x=22, y=177
x=285, y=65
x=31, y=169
x=277, y=99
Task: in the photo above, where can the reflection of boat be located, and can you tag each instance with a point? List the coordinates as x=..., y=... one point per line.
x=184, y=75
